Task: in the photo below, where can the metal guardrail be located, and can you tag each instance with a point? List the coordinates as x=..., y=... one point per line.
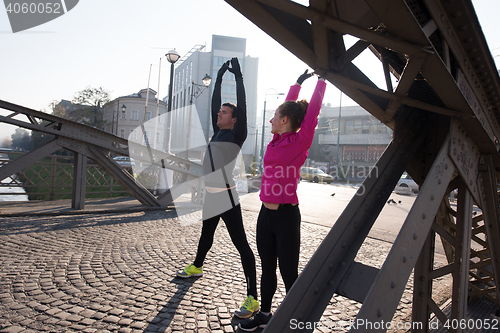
x=51, y=178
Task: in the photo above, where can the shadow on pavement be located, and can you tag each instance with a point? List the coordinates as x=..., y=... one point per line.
x=164, y=318
x=52, y=223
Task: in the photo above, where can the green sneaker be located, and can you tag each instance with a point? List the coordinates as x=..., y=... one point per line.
x=190, y=270
x=248, y=307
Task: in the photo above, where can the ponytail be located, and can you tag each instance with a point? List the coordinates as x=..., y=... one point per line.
x=295, y=112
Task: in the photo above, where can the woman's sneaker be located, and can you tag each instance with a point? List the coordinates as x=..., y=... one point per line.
x=248, y=307
x=190, y=270
x=259, y=320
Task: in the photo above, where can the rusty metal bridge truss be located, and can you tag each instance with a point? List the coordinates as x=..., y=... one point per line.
x=87, y=142
x=444, y=110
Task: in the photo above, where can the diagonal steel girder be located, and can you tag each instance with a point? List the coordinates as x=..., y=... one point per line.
x=60, y=127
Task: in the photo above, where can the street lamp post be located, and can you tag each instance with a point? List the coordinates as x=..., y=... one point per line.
x=165, y=176
x=113, y=118
x=264, y=124
x=172, y=57
x=123, y=108
x=195, y=94
x=338, y=134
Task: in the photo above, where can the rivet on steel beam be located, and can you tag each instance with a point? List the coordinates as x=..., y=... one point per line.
x=300, y=316
x=474, y=189
x=424, y=216
x=316, y=289
x=415, y=236
x=379, y=312
x=343, y=263
x=344, y=244
x=422, y=278
x=432, y=197
x=454, y=151
x=331, y=282
x=405, y=259
x=470, y=182
x=355, y=225
x=393, y=284
x=439, y=181
x=421, y=294
x=446, y=165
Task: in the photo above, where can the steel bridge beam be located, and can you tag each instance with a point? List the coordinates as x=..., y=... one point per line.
x=436, y=51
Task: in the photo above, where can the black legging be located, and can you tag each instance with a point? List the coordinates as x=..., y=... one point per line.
x=234, y=224
x=278, y=237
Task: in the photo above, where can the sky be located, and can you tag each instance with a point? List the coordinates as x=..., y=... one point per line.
x=113, y=44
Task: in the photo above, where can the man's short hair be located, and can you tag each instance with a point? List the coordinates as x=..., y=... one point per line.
x=233, y=107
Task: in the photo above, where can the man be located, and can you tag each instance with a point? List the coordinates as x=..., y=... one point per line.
x=229, y=123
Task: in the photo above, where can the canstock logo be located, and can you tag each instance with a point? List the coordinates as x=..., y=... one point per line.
x=26, y=14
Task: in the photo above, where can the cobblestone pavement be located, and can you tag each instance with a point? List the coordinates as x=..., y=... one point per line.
x=116, y=273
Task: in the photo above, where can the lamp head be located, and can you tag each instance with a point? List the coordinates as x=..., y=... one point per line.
x=172, y=56
x=206, y=80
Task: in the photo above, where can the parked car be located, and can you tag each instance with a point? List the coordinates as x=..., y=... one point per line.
x=406, y=185
x=124, y=161
x=316, y=175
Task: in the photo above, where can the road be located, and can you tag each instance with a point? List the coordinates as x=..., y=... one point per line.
x=318, y=205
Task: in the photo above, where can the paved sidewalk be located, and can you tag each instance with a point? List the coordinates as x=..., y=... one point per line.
x=116, y=273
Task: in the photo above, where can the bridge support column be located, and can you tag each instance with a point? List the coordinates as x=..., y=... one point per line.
x=79, y=181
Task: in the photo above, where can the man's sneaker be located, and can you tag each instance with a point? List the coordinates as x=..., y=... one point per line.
x=190, y=270
x=254, y=322
x=248, y=307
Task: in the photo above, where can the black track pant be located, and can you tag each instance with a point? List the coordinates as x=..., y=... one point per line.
x=234, y=224
x=278, y=239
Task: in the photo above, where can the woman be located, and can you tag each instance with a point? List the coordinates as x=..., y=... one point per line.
x=278, y=224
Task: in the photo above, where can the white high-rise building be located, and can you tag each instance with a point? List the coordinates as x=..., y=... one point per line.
x=191, y=102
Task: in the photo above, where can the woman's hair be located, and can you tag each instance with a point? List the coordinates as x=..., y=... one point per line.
x=295, y=111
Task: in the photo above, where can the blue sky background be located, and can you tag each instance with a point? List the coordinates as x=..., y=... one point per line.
x=111, y=44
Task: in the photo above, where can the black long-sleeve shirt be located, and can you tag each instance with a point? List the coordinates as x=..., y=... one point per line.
x=225, y=144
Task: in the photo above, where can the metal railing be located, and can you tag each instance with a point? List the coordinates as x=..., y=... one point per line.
x=51, y=178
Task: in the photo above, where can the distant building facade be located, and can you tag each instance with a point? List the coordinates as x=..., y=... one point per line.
x=360, y=143
x=125, y=115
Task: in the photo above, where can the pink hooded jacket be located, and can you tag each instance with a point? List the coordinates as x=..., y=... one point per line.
x=286, y=153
